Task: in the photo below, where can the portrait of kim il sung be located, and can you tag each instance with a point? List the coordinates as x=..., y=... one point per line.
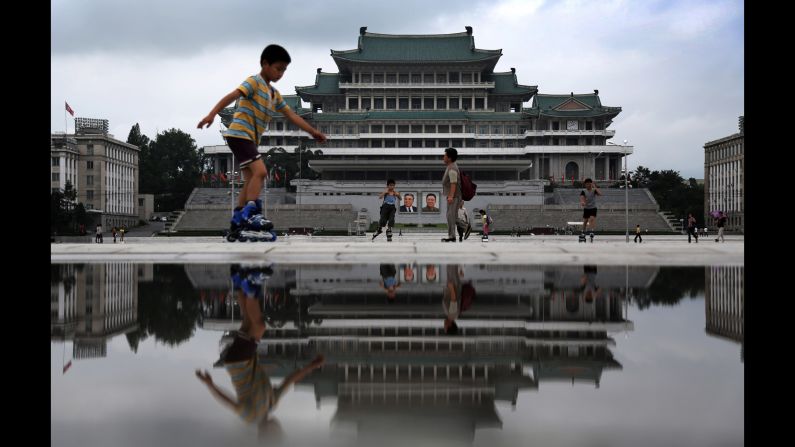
x=409, y=204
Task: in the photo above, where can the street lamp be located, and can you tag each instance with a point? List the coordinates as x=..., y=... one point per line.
x=625, y=149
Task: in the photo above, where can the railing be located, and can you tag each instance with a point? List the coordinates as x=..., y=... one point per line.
x=542, y=133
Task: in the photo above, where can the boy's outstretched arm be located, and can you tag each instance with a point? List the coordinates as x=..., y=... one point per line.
x=225, y=101
x=298, y=121
x=217, y=392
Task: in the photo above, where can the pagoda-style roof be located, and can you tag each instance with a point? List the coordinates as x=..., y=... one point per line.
x=507, y=84
x=325, y=84
x=416, y=49
x=571, y=105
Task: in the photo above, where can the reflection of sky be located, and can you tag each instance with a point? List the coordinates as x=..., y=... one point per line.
x=678, y=386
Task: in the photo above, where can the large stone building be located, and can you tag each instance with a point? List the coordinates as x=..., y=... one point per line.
x=102, y=169
x=724, y=179
x=398, y=100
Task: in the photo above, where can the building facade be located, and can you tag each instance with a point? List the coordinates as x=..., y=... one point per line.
x=102, y=169
x=724, y=179
x=397, y=101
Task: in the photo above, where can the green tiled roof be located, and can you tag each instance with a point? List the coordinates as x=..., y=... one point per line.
x=545, y=105
x=416, y=48
x=506, y=84
x=325, y=84
x=419, y=115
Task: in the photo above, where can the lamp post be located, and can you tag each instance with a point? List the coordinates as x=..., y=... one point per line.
x=625, y=150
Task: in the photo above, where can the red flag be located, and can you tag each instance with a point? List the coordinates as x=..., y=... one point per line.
x=67, y=366
x=276, y=175
x=69, y=109
x=222, y=177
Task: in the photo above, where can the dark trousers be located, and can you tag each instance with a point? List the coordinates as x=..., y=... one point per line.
x=637, y=236
x=691, y=231
x=387, y=216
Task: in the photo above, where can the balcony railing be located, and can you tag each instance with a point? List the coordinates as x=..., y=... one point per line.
x=415, y=85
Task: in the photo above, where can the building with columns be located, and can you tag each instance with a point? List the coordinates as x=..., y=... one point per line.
x=102, y=169
x=724, y=179
x=397, y=101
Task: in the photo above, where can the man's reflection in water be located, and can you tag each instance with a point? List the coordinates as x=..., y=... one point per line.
x=590, y=290
x=389, y=281
x=255, y=397
x=451, y=301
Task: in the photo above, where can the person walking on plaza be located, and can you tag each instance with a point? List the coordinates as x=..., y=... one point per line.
x=637, y=234
x=721, y=224
x=98, y=237
x=691, y=228
x=462, y=223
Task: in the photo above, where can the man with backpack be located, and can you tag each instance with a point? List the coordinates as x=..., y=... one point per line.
x=451, y=190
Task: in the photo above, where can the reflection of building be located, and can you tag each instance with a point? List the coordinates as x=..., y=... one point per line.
x=91, y=303
x=724, y=302
x=390, y=366
x=724, y=179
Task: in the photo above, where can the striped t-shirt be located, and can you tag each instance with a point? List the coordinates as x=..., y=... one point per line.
x=251, y=118
x=256, y=396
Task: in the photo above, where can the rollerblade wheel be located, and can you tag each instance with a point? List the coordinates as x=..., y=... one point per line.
x=231, y=237
x=242, y=239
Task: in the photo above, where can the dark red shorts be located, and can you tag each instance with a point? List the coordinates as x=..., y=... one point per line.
x=245, y=151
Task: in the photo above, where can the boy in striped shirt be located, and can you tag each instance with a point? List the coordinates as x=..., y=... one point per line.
x=256, y=96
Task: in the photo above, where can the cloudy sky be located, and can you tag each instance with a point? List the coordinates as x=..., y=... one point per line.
x=675, y=67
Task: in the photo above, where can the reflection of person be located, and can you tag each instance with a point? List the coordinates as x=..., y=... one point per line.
x=451, y=300
x=588, y=202
x=408, y=273
x=389, y=281
x=388, y=208
x=588, y=281
x=255, y=397
x=408, y=204
x=430, y=203
x=430, y=273
x=452, y=190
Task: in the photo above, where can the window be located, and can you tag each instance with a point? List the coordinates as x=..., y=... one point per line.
x=350, y=130
x=403, y=103
x=430, y=143
x=444, y=128
x=379, y=104
x=363, y=129
x=389, y=128
x=389, y=143
x=479, y=104
x=466, y=78
x=403, y=143
x=391, y=78
x=510, y=130
x=456, y=128
x=428, y=78
x=54, y=161
x=56, y=176
x=353, y=103
x=441, y=103
x=416, y=103
x=428, y=103
x=466, y=103
x=441, y=78
x=140, y=201
x=365, y=103
x=416, y=128
x=453, y=76
x=324, y=129
x=337, y=131
x=430, y=128
x=458, y=143
x=589, y=125
x=279, y=125
x=90, y=149
x=377, y=128
x=403, y=128
x=403, y=78
x=89, y=180
x=416, y=143
x=365, y=77
x=416, y=78
x=391, y=103
x=496, y=130
x=555, y=125
x=90, y=196
x=378, y=78
x=470, y=128
x=484, y=130
x=454, y=103
x=376, y=143
x=443, y=143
